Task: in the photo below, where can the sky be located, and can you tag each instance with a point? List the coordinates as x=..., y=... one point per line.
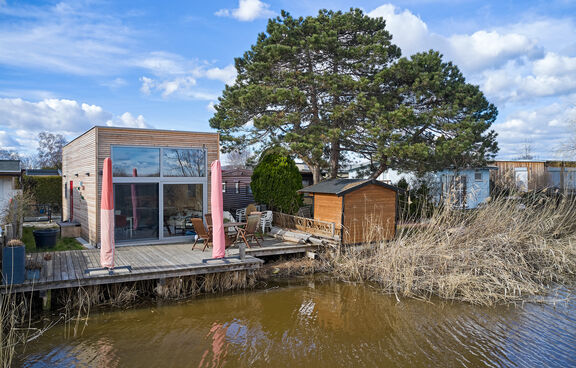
x=66, y=66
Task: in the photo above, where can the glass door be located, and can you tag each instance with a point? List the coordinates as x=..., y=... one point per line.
x=135, y=211
x=181, y=203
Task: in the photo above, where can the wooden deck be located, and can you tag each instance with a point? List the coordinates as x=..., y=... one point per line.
x=148, y=262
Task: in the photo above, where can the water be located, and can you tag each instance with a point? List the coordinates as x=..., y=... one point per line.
x=317, y=324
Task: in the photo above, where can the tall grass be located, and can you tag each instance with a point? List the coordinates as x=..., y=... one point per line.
x=499, y=253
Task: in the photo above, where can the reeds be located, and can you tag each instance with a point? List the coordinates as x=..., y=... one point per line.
x=500, y=253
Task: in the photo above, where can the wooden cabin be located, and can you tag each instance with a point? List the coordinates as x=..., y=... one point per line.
x=365, y=210
x=160, y=177
x=236, y=190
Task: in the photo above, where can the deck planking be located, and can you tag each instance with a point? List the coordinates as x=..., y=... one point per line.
x=148, y=262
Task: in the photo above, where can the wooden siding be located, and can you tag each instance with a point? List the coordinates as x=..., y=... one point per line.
x=369, y=214
x=233, y=200
x=328, y=207
x=537, y=175
x=79, y=158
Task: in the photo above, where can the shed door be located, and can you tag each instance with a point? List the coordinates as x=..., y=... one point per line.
x=521, y=176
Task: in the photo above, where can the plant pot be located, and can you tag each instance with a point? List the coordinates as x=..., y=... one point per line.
x=13, y=265
x=33, y=274
x=46, y=238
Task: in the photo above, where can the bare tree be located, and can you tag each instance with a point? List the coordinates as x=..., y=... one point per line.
x=50, y=150
x=238, y=159
x=527, y=149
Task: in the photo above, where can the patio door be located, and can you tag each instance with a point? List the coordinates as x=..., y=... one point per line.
x=181, y=202
x=136, y=211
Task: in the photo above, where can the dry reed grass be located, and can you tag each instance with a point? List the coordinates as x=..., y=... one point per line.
x=499, y=253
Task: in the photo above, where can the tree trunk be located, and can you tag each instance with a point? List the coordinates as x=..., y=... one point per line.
x=316, y=174
x=379, y=171
x=334, y=158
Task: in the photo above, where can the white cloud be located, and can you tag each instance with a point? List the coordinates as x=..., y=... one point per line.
x=247, y=11
x=226, y=75
x=210, y=107
x=545, y=128
x=63, y=38
x=6, y=141
x=69, y=117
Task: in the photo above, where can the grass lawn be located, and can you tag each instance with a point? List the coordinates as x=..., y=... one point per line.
x=62, y=244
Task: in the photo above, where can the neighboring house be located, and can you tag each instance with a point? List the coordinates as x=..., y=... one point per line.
x=10, y=174
x=161, y=179
x=562, y=174
x=361, y=210
x=236, y=190
x=535, y=175
x=360, y=171
x=465, y=188
x=524, y=174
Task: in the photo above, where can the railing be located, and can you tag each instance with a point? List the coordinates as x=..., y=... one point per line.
x=309, y=225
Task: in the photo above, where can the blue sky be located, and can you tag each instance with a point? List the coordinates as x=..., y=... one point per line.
x=68, y=65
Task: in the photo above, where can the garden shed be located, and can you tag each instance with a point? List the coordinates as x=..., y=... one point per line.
x=365, y=210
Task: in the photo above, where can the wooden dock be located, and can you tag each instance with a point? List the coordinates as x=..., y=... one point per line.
x=148, y=262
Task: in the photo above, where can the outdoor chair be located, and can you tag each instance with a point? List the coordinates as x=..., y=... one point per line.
x=202, y=233
x=208, y=219
x=249, y=232
x=241, y=214
x=266, y=221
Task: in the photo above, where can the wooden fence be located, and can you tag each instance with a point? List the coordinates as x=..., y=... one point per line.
x=309, y=225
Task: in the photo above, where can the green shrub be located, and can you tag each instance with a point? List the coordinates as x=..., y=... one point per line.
x=275, y=182
x=44, y=189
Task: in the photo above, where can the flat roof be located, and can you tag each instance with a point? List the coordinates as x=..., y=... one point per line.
x=10, y=167
x=139, y=129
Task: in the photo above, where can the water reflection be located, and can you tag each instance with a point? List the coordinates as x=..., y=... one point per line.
x=317, y=325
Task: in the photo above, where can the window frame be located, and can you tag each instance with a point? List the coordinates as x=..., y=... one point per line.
x=161, y=180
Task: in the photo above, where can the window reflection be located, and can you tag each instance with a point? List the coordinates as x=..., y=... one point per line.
x=145, y=160
x=184, y=162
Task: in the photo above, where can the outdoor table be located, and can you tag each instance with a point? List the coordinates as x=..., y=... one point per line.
x=227, y=226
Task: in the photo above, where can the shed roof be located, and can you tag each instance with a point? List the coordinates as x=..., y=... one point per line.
x=10, y=167
x=343, y=186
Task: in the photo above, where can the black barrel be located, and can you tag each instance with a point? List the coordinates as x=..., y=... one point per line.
x=46, y=238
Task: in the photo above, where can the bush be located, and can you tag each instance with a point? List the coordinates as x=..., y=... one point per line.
x=275, y=182
x=45, y=190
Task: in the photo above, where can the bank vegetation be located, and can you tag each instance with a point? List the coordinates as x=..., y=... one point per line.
x=507, y=250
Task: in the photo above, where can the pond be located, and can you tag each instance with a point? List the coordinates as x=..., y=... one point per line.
x=315, y=323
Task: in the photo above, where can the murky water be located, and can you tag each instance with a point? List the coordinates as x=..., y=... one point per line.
x=317, y=324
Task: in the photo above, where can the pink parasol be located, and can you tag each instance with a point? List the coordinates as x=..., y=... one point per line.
x=219, y=246
x=107, y=217
x=134, y=202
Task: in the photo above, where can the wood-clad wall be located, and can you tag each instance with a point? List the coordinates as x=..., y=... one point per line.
x=328, y=207
x=79, y=158
x=369, y=214
x=233, y=200
x=537, y=175
x=87, y=153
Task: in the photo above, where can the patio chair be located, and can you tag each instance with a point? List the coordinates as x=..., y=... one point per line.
x=241, y=214
x=202, y=233
x=208, y=219
x=249, y=232
x=266, y=221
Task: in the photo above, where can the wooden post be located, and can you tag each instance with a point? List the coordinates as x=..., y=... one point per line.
x=46, y=296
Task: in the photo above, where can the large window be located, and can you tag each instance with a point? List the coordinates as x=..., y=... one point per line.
x=157, y=190
x=135, y=161
x=183, y=162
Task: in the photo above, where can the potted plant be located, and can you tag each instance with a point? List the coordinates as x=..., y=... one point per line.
x=13, y=262
x=33, y=270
